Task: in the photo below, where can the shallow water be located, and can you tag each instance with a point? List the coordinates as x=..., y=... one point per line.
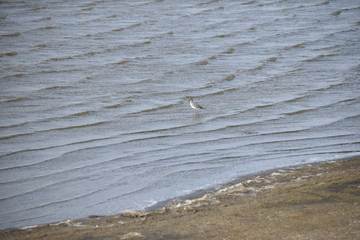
x=94, y=111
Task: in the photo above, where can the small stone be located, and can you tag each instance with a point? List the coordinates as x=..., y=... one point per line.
x=131, y=235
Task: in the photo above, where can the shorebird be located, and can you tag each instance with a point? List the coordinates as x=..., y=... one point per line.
x=194, y=105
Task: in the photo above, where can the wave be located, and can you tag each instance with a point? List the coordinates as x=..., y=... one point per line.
x=299, y=45
x=105, y=120
x=85, y=168
x=8, y=54
x=50, y=202
x=229, y=51
x=122, y=62
x=69, y=127
x=202, y=63
x=128, y=27
x=248, y=3
x=33, y=189
x=340, y=11
x=222, y=35
x=323, y=3
x=156, y=108
x=16, y=34
x=191, y=172
x=220, y=92
x=320, y=57
x=113, y=106
x=55, y=88
x=19, y=99
x=42, y=19
x=92, y=147
x=41, y=45
x=229, y=77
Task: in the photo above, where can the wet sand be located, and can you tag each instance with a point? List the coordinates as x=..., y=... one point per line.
x=319, y=201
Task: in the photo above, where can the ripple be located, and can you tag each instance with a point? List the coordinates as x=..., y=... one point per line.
x=96, y=118
x=16, y=34
x=82, y=114
x=8, y=54
x=113, y=106
x=202, y=63
x=70, y=127
x=159, y=108
x=229, y=77
x=229, y=51
x=60, y=58
x=55, y=88
x=336, y=13
x=122, y=62
x=42, y=19
x=17, y=100
x=221, y=92
x=51, y=202
x=319, y=57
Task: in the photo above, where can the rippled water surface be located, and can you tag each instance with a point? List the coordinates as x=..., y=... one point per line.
x=94, y=111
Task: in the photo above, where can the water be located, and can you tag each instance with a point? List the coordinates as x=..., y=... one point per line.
x=94, y=111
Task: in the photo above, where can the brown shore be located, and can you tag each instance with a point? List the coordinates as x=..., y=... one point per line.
x=319, y=201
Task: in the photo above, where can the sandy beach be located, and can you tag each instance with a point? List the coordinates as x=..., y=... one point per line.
x=319, y=201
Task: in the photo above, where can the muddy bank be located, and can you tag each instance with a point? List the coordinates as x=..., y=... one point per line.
x=319, y=201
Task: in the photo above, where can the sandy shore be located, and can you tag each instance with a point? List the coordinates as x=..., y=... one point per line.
x=320, y=201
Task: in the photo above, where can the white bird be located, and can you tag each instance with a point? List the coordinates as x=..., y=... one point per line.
x=194, y=105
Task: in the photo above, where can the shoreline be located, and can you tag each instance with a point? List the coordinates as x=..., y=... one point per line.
x=275, y=196
x=211, y=190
